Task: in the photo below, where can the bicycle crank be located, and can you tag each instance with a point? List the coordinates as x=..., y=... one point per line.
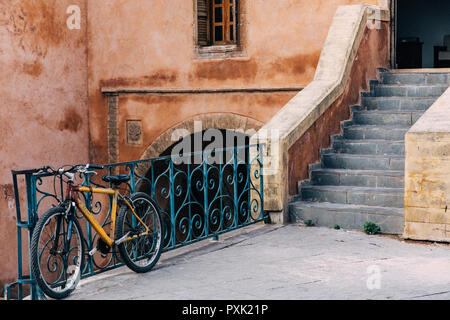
x=102, y=246
x=119, y=241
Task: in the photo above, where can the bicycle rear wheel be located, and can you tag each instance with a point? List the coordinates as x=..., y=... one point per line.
x=143, y=252
x=57, y=253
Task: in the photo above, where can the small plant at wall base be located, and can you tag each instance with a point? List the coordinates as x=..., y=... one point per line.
x=309, y=223
x=371, y=228
x=337, y=227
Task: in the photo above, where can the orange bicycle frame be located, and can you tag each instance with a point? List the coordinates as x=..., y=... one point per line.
x=110, y=241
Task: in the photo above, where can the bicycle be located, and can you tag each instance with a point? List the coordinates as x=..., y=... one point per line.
x=57, y=245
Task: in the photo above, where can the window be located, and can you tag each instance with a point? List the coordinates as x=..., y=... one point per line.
x=216, y=22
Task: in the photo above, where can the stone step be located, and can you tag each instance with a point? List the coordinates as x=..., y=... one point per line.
x=347, y=216
x=369, y=146
x=387, y=90
x=362, y=162
x=405, y=118
x=397, y=103
x=358, y=178
x=417, y=78
x=384, y=132
x=361, y=177
x=382, y=197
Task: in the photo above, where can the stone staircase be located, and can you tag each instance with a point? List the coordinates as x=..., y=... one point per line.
x=361, y=177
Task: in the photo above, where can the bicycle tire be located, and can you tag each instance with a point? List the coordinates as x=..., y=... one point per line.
x=140, y=254
x=63, y=268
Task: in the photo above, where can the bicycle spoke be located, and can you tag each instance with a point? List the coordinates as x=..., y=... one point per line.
x=142, y=252
x=56, y=260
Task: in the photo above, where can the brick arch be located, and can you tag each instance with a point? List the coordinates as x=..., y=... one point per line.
x=224, y=121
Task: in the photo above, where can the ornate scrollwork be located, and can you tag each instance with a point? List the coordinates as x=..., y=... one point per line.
x=197, y=200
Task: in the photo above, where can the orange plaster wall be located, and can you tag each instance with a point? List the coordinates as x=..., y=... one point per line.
x=52, y=109
x=152, y=110
x=151, y=44
x=43, y=95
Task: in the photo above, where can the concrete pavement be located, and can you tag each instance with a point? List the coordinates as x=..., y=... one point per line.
x=285, y=263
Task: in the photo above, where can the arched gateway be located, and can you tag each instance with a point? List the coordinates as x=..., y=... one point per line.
x=206, y=186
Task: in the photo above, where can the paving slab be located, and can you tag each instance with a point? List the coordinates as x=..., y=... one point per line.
x=289, y=262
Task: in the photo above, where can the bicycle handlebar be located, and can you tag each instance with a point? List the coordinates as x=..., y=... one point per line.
x=93, y=166
x=83, y=168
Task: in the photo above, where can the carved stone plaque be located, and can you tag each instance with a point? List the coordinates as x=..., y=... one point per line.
x=134, y=132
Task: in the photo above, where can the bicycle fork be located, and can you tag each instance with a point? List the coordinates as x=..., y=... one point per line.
x=59, y=221
x=65, y=248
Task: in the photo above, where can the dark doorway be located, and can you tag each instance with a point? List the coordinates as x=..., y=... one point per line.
x=421, y=33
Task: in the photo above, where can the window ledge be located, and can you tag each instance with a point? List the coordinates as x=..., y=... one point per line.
x=219, y=51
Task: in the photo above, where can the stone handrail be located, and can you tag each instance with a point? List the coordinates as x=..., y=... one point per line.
x=300, y=113
x=427, y=175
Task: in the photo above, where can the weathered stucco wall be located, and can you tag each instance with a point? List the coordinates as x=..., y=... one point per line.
x=50, y=75
x=43, y=101
x=427, y=177
x=151, y=45
x=153, y=110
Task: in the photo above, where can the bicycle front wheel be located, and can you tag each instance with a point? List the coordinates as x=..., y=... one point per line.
x=57, y=253
x=140, y=252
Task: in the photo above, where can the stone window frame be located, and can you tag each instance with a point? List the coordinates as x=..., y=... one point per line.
x=214, y=51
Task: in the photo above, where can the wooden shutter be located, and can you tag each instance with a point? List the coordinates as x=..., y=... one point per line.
x=202, y=22
x=237, y=22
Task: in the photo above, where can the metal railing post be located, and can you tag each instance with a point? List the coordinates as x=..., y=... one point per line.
x=172, y=203
x=235, y=190
x=205, y=194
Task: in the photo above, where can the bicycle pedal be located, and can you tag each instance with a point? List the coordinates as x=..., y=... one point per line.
x=93, y=251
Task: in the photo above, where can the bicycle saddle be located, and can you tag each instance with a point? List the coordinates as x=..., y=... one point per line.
x=116, y=179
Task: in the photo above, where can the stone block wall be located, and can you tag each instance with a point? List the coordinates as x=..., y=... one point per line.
x=427, y=175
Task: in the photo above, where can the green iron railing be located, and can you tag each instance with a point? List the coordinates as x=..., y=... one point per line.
x=201, y=195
